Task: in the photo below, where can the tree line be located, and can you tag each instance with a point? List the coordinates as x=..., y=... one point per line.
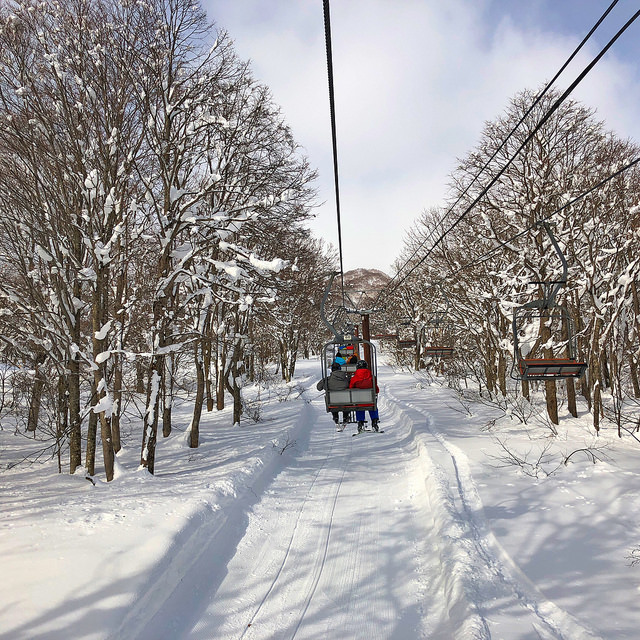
x=152, y=221
x=579, y=178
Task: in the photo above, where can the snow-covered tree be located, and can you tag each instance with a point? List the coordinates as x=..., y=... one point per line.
x=143, y=172
x=486, y=262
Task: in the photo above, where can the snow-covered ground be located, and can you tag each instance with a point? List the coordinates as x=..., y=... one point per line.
x=286, y=529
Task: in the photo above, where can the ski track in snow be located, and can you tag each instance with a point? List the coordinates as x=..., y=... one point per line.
x=484, y=580
x=312, y=573
x=189, y=570
x=307, y=557
x=321, y=558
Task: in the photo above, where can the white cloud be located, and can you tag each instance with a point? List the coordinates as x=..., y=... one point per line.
x=414, y=83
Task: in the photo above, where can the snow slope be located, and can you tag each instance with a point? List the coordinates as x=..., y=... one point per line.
x=288, y=529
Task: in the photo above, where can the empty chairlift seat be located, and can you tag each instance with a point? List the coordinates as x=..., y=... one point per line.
x=550, y=368
x=438, y=352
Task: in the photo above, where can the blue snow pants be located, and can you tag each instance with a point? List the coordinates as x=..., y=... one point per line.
x=372, y=414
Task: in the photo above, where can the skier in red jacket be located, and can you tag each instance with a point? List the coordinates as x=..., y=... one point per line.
x=362, y=379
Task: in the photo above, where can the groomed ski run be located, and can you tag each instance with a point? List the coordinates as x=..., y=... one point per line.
x=286, y=528
x=355, y=538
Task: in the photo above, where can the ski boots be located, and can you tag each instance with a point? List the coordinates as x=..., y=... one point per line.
x=374, y=424
x=360, y=426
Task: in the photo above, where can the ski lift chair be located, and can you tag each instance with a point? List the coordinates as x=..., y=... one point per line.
x=436, y=346
x=346, y=400
x=556, y=318
x=406, y=337
x=435, y=323
x=438, y=352
x=526, y=326
x=347, y=351
x=349, y=400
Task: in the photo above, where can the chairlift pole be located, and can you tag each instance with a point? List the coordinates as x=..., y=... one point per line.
x=322, y=305
x=366, y=336
x=555, y=286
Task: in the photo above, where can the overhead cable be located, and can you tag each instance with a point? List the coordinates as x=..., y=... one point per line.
x=544, y=119
x=511, y=133
x=327, y=35
x=504, y=243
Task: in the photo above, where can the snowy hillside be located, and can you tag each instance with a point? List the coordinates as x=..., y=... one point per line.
x=285, y=528
x=366, y=279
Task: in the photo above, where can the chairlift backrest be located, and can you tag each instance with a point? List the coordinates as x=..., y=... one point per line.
x=349, y=399
x=546, y=314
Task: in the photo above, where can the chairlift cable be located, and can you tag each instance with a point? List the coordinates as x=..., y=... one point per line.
x=544, y=119
x=504, y=243
x=515, y=128
x=327, y=35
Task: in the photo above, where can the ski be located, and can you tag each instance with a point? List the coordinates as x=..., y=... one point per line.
x=367, y=431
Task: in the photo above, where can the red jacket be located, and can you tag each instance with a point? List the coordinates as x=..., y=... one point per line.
x=362, y=379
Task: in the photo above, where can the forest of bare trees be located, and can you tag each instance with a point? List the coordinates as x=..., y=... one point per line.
x=153, y=238
x=573, y=175
x=153, y=202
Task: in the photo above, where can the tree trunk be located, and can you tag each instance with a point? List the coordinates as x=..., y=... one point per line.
x=633, y=370
x=154, y=390
x=571, y=388
x=283, y=360
x=586, y=390
x=595, y=390
x=220, y=379
x=150, y=422
x=194, y=437
x=140, y=376
x=62, y=417
x=606, y=375
x=595, y=370
x=597, y=398
x=117, y=359
x=490, y=371
x=99, y=318
x=502, y=373
x=75, y=420
x=167, y=396
x=235, y=390
x=92, y=437
x=552, y=400
x=237, y=403
x=292, y=361
x=206, y=348
x=75, y=417
x=107, y=446
x=550, y=390
x=36, y=394
x=571, y=397
x=117, y=402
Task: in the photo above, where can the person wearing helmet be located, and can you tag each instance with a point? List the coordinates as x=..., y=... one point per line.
x=336, y=381
x=340, y=358
x=362, y=379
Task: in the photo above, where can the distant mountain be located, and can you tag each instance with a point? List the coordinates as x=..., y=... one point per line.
x=363, y=286
x=365, y=279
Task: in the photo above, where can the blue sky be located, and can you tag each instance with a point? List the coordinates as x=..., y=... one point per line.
x=414, y=82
